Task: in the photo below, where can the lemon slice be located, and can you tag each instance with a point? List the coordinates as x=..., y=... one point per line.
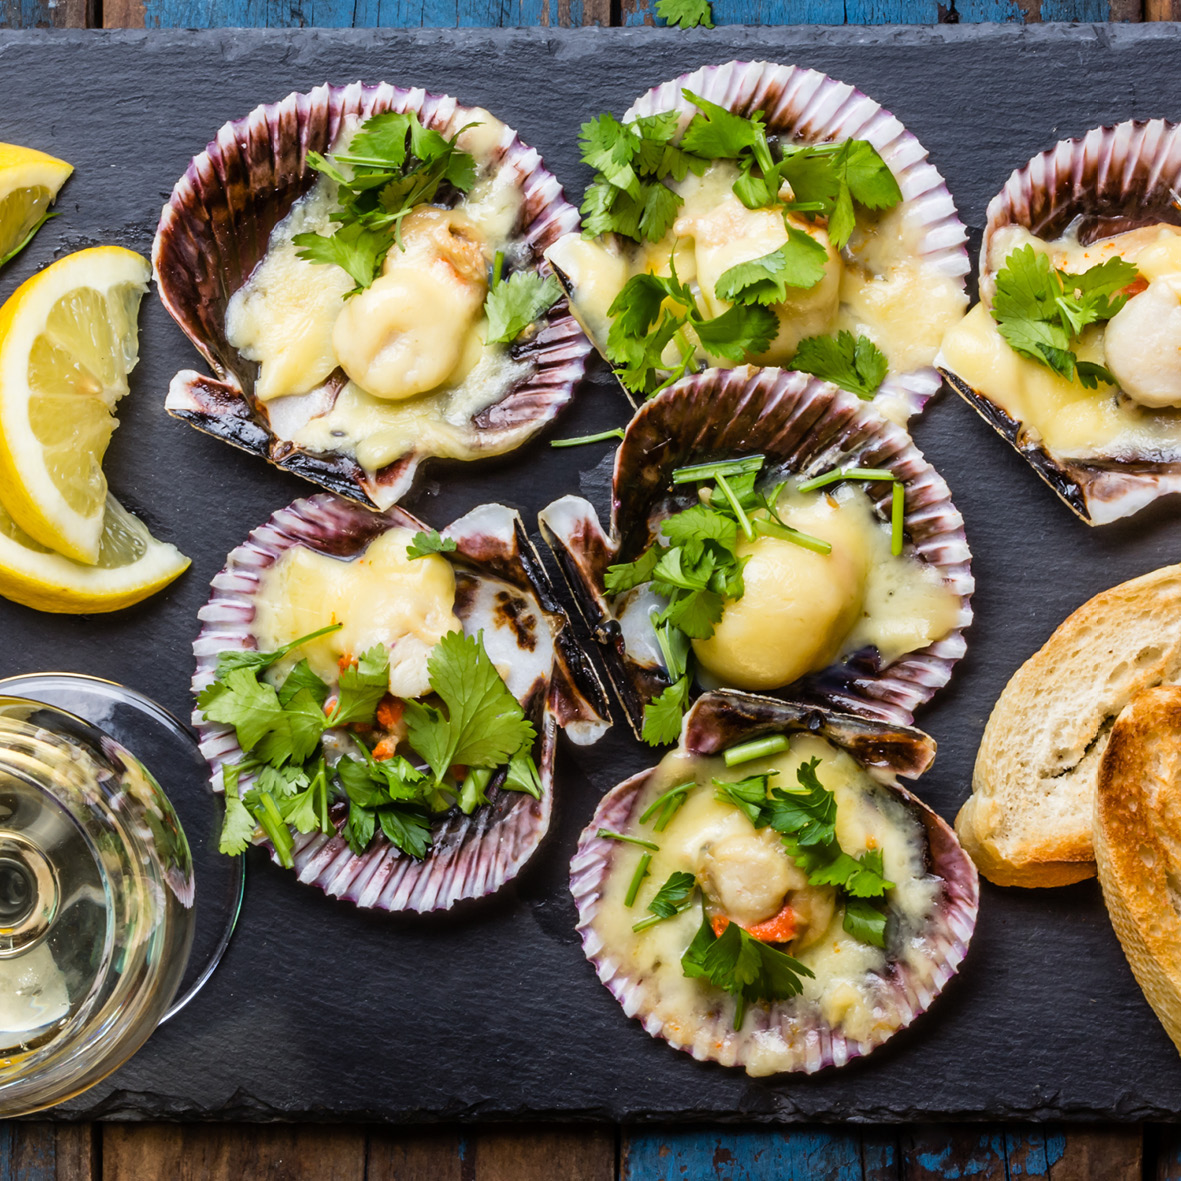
x=29, y=181
x=131, y=565
x=68, y=340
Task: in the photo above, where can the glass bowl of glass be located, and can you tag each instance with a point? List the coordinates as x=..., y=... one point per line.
x=99, y=882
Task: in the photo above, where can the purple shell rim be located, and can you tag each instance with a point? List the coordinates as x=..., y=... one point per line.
x=817, y=108
x=1113, y=171
x=823, y=1046
x=382, y=877
x=561, y=348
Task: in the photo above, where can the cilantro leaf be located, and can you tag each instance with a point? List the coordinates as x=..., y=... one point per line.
x=749, y=795
x=861, y=877
x=856, y=365
x=484, y=725
x=408, y=827
x=355, y=249
x=253, y=709
x=383, y=136
x=1041, y=311
x=798, y=263
x=717, y=133
x=695, y=613
x=808, y=814
x=870, y=181
x=263, y=660
x=865, y=921
x=238, y=825
x=362, y=686
x=515, y=303
x=686, y=14
x=522, y=774
x=664, y=713
x=625, y=575
x=740, y=330
x=359, y=828
x=301, y=678
x=674, y=895
x=305, y=724
x=609, y=147
x=741, y=965
x=432, y=542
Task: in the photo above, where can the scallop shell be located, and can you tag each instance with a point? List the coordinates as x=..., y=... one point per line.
x=811, y=107
x=214, y=231
x=1115, y=179
x=810, y=427
x=501, y=588
x=796, y=1029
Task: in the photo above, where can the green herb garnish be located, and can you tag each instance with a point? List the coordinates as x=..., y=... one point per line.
x=639, y=842
x=687, y=14
x=640, y=874
x=579, y=440
x=1041, y=311
x=856, y=365
x=516, y=302
x=673, y=898
x=757, y=748
x=430, y=542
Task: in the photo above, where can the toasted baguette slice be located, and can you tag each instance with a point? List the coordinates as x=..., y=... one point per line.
x=1138, y=845
x=1028, y=820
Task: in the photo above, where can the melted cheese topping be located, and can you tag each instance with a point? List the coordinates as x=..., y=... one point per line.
x=411, y=347
x=381, y=597
x=846, y=991
x=1141, y=346
x=801, y=610
x=879, y=286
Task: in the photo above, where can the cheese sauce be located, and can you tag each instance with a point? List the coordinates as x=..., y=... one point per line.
x=879, y=286
x=1064, y=416
x=382, y=597
x=407, y=356
x=845, y=992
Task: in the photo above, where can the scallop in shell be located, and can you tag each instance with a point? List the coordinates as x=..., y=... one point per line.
x=1106, y=451
x=903, y=272
x=501, y=590
x=859, y=994
x=802, y=426
x=216, y=229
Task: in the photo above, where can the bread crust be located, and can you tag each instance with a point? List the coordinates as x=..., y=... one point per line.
x=1137, y=828
x=1029, y=819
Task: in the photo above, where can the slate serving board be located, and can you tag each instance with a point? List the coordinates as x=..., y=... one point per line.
x=322, y=1011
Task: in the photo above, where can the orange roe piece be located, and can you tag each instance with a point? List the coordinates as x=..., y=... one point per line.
x=780, y=928
x=385, y=749
x=1140, y=283
x=389, y=711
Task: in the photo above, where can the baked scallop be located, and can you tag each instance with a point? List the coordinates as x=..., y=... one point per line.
x=1072, y=354
x=789, y=913
x=353, y=386
x=863, y=235
x=325, y=561
x=852, y=595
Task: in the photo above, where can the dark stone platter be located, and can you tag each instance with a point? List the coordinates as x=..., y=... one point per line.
x=322, y=1011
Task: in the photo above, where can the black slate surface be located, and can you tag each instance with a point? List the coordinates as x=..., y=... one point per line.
x=322, y=1011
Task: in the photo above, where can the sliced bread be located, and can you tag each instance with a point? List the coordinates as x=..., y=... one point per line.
x=1028, y=820
x=1138, y=845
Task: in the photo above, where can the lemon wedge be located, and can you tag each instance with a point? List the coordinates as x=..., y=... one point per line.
x=29, y=181
x=68, y=340
x=131, y=565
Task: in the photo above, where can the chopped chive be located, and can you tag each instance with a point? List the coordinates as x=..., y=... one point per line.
x=787, y=533
x=661, y=800
x=743, y=519
x=668, y=812
x=757, y=748
x=577, y=441
x=846, y=473
x=637, y=877
x=897, y=509
x=497, y=268
x=618, y=836
x=710, y=471
x=804, y=207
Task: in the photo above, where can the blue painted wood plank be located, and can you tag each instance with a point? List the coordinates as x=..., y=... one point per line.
x=792, y=1154
x=340, y=14
x=876, y=12
x=1028, y=1151
x=951, y=1153
x=879, y=1154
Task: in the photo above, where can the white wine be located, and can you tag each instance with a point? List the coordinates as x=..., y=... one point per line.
x=96, y=897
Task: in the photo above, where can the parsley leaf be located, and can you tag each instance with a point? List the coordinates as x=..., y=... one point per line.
x=673, y=898
x=740, y=330
x=484, y=725
x=239, y=700
x=362, y=686
x=432, y=542
x=237, y=829
x=808, y=814
x=663, y=714
x=353, y=248
x=865, y=921
x=741, y=965
x=717, y=133
x=687, y=14
x=262, y=660
x=856, y=365
x=749, y=795
x=301, y=678
x=798, y=263
x=514, y=304
x=1041, y=311
x=625, y=575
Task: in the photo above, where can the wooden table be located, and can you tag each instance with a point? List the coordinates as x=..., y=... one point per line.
x=44, y=1151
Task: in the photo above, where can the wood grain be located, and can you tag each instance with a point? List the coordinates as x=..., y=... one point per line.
x=931, y=1153
x=541, y=1154
x=1113, y=1153
x=39, y=1151
x=415, y=1156
x=231, y=1152
x=1162, y=10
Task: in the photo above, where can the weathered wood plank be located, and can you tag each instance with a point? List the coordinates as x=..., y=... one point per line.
x=879, y=1154
x=1027, y=1151
x=1115, y=1153
x=203, y=14
x=415, y=1156
x=876, y=12
x=38, y=1151
x=1162, y=10
x=541, y=1154
x=931, y=1153
x=802, y=1154
x=47, y=14
x=232, y=1152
